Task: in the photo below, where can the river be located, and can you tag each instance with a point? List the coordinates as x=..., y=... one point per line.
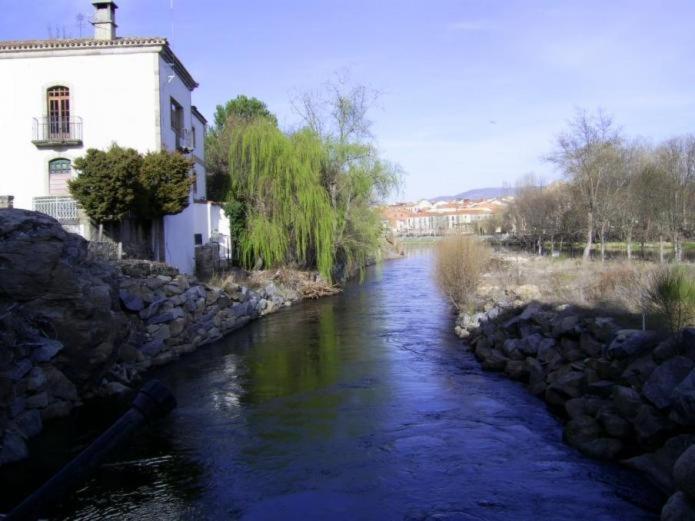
x=361, y=406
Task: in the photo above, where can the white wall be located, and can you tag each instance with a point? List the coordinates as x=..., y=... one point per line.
x=114, y=94
x=179, y=230
x=179, y=246
x=122, y=96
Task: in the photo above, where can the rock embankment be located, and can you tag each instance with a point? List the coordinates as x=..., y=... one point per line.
x=170, y=314
x=72, y=328
x=60, y=325
x=626, y=394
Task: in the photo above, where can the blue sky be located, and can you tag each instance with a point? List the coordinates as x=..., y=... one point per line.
x=473, y=91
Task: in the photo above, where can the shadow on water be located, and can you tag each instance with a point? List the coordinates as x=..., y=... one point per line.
x=362, y=406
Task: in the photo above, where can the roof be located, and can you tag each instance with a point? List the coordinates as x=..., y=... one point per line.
x=196, y=113
x=29, y=46
x=78, y=43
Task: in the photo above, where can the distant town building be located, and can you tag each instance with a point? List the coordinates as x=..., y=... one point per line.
x=425, y=218
x=61, y=97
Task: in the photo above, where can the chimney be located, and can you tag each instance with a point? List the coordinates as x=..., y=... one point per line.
x=104, y=20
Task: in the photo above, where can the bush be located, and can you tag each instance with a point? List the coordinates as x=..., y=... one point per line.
x=165, y=183
x=671, y=295
x=120, y=182
x=108, y=182
x=460, y=263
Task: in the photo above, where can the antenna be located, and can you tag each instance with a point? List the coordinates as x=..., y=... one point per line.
x=171, y=9
x=80, y=20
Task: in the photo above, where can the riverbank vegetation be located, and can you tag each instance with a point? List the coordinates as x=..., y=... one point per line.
x=615, y=189
x=461, y=261
x=644, y=294
x=671, y=295
x=303, y=197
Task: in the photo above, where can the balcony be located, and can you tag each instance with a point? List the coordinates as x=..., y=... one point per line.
x=57, y=132
x=184, y=140
x=62, y=208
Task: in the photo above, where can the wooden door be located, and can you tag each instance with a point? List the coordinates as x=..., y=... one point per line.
x=59, y=113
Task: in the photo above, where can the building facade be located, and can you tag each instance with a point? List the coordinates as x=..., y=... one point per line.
x=62, y=97
x=425, y=218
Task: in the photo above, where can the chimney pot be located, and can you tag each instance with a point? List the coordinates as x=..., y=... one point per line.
x=104, y=20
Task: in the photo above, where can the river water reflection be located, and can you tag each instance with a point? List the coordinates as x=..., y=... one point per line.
x=362, y=406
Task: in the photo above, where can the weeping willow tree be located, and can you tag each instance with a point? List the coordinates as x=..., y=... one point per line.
x=354, y=174
x=276, y=187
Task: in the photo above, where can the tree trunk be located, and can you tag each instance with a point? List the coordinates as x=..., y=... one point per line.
x=677, y=248
x=661, y=249
x=589, y=235
x=629, y=245
x=603, y=242
x=540, y=246
x=552, y=246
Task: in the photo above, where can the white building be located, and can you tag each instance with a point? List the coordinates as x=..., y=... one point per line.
x=62, y=97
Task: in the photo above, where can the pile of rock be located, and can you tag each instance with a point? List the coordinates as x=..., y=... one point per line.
x=624, y=392
x=72, y=327
x=60, y=325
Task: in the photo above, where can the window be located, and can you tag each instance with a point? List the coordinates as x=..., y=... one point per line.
x=193, y=138
x=59, y=172
x=58, y=112
x=176, y=116
x=177, y=123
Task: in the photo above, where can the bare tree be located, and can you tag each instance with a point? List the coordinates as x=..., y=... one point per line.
x=587, y=154
x=677, y=159
x=538, y=211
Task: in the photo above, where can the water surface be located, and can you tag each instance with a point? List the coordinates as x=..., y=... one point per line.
x=362, y=406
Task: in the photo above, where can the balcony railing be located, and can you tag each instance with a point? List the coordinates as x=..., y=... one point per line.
x=63, y=209
x=184, y=140
x=49, y=131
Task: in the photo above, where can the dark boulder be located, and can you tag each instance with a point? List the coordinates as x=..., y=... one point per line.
x=658, y=465
x=568, y=385
x=678, y=508
x=650, y=425
x=684, y=472
x=639, y=370
x=683, y=399
x=631, y=342
x=627, y=401
x=662, y=382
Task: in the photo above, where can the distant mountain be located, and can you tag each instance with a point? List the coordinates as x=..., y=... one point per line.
x=478, y=193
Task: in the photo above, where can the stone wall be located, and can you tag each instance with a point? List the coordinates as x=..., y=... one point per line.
x=72, y=328
x=626, y=394
x=171, y=314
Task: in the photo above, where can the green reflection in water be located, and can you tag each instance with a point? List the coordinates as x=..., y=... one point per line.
x=307, y=362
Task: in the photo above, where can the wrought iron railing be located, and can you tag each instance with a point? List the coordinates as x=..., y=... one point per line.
x=184, y=139
x=64, y=209
x=50, y=130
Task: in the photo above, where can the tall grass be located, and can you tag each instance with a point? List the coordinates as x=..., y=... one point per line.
x=671, y=295
x=460, y=262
